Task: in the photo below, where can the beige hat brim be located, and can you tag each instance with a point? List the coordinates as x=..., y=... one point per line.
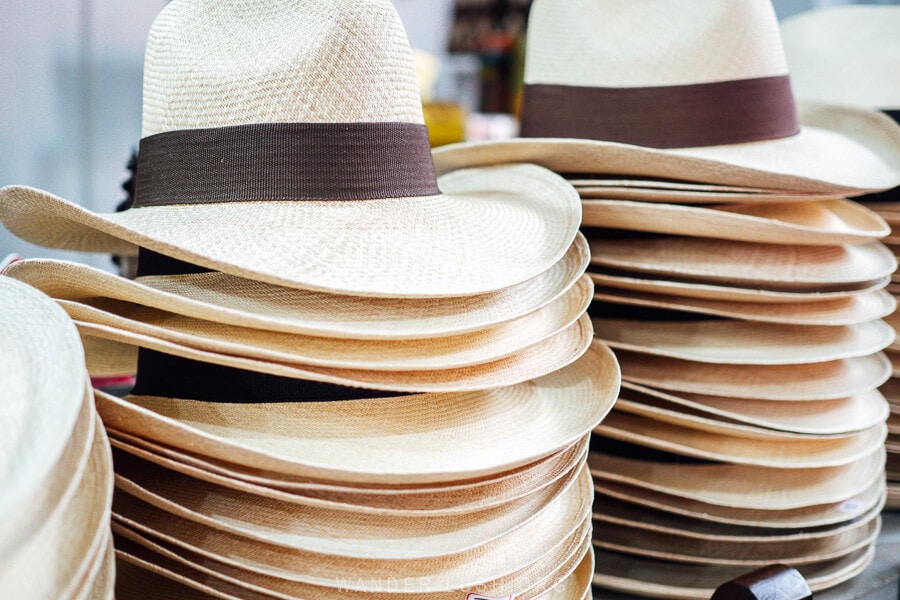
x=491, y=229
x=678, y=196
x=783, y=453
x=650, y=577
x=557, y=472
x=457, y=351
x=840, y=150
x=828, y=223
x=246, y=303
x=549, y=355
x=730, y=485
x=692, y=289
x=814, y=381
x=72, y=535
x=44, y=383
x=820, y=515
x=757, y=419
x=744, y=343
x=330, y=531
x=102, y=586
x=743, y=264
x=403, y=438
x=850, y=310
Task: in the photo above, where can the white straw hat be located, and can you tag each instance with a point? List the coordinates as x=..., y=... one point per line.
x=845, y=55
x=304, y=123
x=826, y=223
x=242, y=302
x=402, y=437
x=695, y=91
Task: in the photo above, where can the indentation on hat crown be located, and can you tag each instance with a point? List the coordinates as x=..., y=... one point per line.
x=609, y=43
x=211, y=63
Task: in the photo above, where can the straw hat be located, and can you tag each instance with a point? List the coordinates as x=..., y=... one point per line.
x=845, y=55
x=744, y=343
x=242, y=302
x=651, y=577
x=745, y=264
x=727, y=485
x=450, y=352
x=849, y=310
x=695, y=91
x=803, y=518
x=757, y=418
x=678, y=196
x=827, y=223
x=814, y=381
x=47, y=425
x=403, y=437
x=306, y=122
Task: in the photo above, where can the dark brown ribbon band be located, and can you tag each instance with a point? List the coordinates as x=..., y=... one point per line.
x=285, y=161
x=681, y=116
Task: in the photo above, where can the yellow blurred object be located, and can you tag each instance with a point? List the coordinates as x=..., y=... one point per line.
x=446, y=122
x=428, y=68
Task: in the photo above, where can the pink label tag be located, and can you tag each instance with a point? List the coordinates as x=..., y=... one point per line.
x=480, y=597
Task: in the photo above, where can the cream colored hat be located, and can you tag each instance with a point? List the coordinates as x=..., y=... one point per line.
x=827, y=223
x=845, y=55
x=774, y=267
x=850, y=310
x=404, y=438
x=306, y=124
x=686, y=196
x=242, y=302
x=694, y=91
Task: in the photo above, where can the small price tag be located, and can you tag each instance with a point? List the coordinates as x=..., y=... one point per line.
x=850, y=506
x=480, y=597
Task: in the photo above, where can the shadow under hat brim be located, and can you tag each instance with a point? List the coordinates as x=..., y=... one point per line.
x=839, y=150
x=403, y=438
x=490, y=229
x=243, y=302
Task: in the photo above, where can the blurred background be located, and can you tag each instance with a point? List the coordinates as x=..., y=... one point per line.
x=70, y=87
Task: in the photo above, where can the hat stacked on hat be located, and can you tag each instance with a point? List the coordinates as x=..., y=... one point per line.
x=56, y=479
x=354, y=379
x=851, y=55
x=741, y=291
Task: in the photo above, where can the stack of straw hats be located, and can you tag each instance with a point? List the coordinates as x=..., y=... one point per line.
x=354, y=379
x=56, y=480
x=851, y=55
x=742, y=293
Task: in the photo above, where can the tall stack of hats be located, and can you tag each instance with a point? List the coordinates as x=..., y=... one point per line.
x=354, y=379
x=742, y=293
x=851, y=55
x=56, y=480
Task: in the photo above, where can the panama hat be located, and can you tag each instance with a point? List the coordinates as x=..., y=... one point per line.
x=656, y=90
x=652, y=283
x=849, y=310
x=803, y=223
x=767, y=266
x=378, y=355
x=814, y=381
x=305, y=123
x=803, y=518
x=677, y=196
x=727, y=485
x=664, y=579
x=779, y=453
x=845, y=55
x=242, y=302
x=46, y=407
x=403, y=437
x=72, y=535
x=764, y=419
x=736, y=342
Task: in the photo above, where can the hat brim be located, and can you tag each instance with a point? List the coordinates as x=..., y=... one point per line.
x=839, y=150
x=589, y=193
x=242, y=302
x=491, y=229
x=408, y=438
x=826, y=223
x=850, y=310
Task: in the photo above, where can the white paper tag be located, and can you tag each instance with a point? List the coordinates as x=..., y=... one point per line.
x=471, y=596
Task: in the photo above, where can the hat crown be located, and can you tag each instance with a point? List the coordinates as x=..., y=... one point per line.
x=609, y=43
x=216, y=63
